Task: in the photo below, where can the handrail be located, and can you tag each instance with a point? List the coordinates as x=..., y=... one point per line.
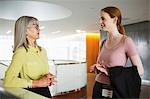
x=65, y=62
x=4, y=64
x=55, y=61
x=51, y=60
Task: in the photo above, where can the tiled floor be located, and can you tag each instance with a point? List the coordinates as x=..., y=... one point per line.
x=90, y=83
x=145, y=92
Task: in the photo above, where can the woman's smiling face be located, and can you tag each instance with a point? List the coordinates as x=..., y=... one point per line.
x=106, y=22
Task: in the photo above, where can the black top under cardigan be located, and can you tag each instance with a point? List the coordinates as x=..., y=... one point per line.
x=125, y=81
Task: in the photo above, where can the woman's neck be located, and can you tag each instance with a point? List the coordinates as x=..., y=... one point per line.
x=113, y=36
x=113, y=33
x=31, y=42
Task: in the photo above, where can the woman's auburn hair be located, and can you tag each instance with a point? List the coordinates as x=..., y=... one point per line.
x=115, y=12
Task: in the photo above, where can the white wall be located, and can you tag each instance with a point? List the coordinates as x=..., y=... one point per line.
x=6, y=47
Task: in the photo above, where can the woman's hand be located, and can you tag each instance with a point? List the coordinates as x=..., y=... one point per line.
x=101, y=67
x=52, y=78
x=93, y=68
x=45, y=81
x=42, y=82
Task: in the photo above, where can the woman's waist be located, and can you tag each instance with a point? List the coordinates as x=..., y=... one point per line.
x=102, y=78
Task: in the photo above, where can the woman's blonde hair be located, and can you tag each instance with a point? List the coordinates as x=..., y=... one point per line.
x=20, y=32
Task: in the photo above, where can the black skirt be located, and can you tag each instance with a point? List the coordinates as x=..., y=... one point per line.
x=44, y=91
x=97, y=90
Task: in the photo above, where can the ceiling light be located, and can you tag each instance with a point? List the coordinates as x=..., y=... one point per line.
x=44, y=11
x=55, y=32
x=80, y=31
x=42, y=27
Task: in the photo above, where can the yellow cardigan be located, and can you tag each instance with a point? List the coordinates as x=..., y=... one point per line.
x=26, y=66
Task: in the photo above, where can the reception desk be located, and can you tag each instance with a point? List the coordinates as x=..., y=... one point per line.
x=70, y=76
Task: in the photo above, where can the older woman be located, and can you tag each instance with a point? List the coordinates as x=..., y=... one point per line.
x=29, y=66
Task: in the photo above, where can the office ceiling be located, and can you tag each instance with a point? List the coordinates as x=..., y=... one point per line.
x=67, y=16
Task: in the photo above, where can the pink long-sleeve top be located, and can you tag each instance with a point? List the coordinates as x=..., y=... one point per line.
x=115, y=56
